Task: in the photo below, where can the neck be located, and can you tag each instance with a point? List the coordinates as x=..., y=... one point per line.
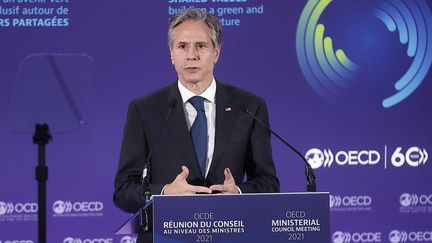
x=198, y=87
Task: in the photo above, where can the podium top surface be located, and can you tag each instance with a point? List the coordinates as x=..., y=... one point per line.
x=244, y=194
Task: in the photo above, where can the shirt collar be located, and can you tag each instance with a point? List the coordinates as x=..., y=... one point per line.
x=209, y=94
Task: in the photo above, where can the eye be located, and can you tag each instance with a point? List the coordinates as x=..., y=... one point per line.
x=181, y=46
x=202, y=45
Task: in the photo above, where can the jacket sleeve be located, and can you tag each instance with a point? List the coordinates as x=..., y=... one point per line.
x=129, y=193
x=259, y=166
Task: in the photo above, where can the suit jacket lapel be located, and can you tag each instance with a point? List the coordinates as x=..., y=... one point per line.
x=225, y=117
x=179, y=129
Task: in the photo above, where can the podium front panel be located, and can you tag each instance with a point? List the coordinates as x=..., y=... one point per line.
x=284, y=217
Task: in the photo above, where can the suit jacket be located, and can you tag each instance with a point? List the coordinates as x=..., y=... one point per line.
x=240, y=144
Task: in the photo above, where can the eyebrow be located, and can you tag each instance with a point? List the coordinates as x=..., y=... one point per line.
x=201, y=43
x=188, y=42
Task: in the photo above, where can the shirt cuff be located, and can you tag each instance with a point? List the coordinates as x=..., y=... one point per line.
x=163, y=190
x=238, y=188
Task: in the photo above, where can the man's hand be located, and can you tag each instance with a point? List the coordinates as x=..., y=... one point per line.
x=180, y=186
x=229, y=186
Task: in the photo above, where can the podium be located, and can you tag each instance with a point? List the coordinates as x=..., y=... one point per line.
x=275, y=217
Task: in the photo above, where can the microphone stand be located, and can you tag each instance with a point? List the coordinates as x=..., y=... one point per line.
x=310, y=175
x=41, y=137
x=145, y=219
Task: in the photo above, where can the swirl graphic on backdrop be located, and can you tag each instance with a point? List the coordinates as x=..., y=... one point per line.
x=332, y=73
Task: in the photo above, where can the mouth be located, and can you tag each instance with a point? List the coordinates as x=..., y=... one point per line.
x=192, y=69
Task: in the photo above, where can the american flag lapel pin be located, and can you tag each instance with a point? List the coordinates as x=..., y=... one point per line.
x=227, y=109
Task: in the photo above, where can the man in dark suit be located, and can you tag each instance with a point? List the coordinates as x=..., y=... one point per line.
x=209, y=144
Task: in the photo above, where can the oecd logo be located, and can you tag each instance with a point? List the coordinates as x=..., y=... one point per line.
x=79, y=240
x=325, y=158
x=8, y=208
x=10, y=211
x=338, y=74
x=347, y=237
x=401, y=236
x=350, y=203
x=415, y=203
x=407, y=200
x=68, y=208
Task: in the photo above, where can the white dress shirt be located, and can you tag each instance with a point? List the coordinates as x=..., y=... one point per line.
x=209, y=96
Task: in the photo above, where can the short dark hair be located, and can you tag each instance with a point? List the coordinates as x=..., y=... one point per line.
x=196, y=14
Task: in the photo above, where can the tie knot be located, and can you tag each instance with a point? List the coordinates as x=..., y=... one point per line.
x=197, y=102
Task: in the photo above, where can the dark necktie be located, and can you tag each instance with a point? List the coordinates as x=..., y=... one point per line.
x=199, y=132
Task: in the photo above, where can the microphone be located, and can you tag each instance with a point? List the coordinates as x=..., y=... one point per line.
x=310, y=176
x=146, y=176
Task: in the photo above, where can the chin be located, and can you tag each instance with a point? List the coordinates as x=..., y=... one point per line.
x=193, y=80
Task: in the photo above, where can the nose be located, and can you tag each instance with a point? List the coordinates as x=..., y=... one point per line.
x=192, y=53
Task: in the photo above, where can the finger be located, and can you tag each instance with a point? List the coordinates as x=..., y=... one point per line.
x=188, y=192
x=200, y=189
x=184, y=174
x=228, y=175
x=223, y=189
x=218, y=187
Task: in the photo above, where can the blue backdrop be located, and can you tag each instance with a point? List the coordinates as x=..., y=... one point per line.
x=371, y=155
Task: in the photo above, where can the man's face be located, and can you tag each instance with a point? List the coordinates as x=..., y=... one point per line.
x=192, y=53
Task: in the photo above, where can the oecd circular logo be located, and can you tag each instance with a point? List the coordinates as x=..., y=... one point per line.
x=405, y=200
x=365, y=52
x=315, y=158
x=338, y=237
x=69, y=240
x=395, y=236
x=127, y=239
x=3, y=208
x=59, y=207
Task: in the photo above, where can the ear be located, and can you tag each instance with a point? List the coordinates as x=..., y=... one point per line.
x=172, y=59
x=216, y=54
